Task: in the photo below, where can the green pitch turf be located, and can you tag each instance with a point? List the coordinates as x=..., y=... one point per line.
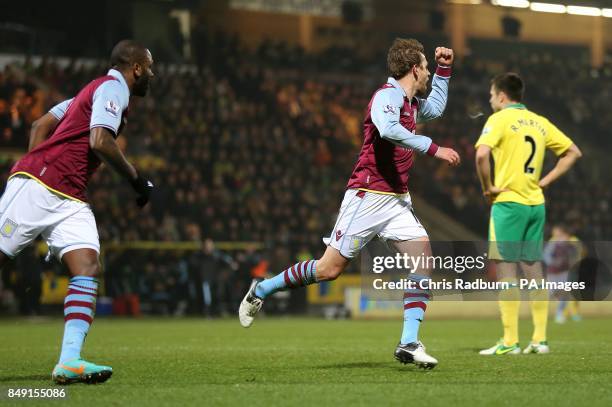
x=312, y=362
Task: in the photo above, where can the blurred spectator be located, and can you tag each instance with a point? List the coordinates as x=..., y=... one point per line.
x=212, y=273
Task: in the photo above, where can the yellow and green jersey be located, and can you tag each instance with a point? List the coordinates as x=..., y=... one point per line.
x=519, y=139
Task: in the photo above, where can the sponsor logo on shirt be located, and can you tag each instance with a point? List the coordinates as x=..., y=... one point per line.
x=338, y=235
x=486, y=130
x=112, y=108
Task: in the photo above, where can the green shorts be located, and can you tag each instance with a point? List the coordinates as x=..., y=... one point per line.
x=516, y=231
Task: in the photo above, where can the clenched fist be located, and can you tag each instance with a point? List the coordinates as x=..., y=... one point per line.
x=444, y=56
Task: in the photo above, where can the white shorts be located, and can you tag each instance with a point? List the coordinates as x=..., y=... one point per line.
x=28, y=209
x=364, y=215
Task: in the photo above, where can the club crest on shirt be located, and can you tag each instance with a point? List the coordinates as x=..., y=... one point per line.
x=112, y=108
x=8, y=228
x=357, y=242
x=389, y=109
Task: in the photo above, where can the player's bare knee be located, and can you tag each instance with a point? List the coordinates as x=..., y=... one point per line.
x=82, y=262
x=90, y=268
x=94, y=269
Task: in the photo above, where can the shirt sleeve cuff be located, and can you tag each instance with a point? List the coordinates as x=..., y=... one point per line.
x=433, y=149
x=106, y=126
x=443, y=71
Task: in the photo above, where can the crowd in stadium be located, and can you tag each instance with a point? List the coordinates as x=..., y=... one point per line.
x=258, y=147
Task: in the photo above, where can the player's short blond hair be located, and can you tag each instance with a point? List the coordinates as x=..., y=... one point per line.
x=403, y=55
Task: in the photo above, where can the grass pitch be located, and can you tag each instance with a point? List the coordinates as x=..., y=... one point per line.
x=312, y=362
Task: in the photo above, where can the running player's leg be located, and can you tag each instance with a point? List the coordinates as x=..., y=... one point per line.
x=301, y=274
x=74, y=241
x=360, y=219
x=406, y=235
x=410, y=348
x=415, y=300
x=80, y=301
x=27, y=210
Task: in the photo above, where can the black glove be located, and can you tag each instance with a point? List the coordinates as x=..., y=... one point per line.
x=143, y=188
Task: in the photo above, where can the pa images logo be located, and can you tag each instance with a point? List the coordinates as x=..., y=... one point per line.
x=8, y=228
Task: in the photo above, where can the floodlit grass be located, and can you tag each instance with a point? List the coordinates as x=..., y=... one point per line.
x=296, y=361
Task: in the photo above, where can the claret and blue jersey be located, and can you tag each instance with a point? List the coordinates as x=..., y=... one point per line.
x=389, y=135
x=64, y=162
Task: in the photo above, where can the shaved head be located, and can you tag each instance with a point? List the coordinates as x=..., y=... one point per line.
x=134, y=61
x=126, y=53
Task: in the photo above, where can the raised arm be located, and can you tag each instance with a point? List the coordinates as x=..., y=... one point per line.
x=434, y=105
x=385, y=113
